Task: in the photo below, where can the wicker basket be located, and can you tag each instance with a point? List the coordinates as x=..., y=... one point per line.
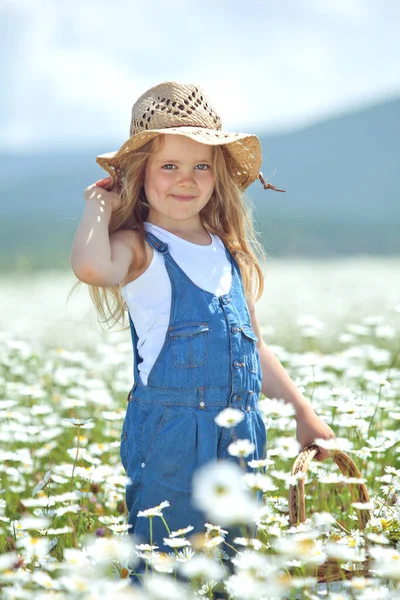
x=330, y=570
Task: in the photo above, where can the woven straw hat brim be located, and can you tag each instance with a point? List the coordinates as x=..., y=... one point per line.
x=242, y=151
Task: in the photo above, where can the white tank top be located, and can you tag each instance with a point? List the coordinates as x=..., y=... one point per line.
x=148, y=297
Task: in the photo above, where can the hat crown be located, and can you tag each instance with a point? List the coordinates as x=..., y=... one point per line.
x=172, y=104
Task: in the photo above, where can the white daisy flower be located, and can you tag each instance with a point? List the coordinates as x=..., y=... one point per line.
x=155, y=511
x=378, y=538
x=263, y=462
x=259, y=481
x=241, y=448
x=75, y=559
x=203, y=567
x=106, y=549
x=184, y=555
x=120, y=528
x=163, y=587
x=163, y=563
x=219, y=490
x=363, y=505
x=176, y=542
x=252, y=542
x=34, y=547
x=146, y=547
x=85, y=423
x=181, y=531
x=229, y=417
x=214, y=529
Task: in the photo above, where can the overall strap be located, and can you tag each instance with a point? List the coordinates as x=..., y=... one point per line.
x=162, y=247
x=231, y=258
x=156, y=243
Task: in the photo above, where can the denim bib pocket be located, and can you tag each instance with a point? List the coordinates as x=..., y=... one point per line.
x=250, y=350
x=189, y=344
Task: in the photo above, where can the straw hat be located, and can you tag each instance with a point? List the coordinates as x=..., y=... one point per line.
x=184, y=109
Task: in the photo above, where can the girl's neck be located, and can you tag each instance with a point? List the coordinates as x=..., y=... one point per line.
x=186, y=227
x=195, y=234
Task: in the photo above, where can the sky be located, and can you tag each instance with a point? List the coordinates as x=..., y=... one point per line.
x=70, y=72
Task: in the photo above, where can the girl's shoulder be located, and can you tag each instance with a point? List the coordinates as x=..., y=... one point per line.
x=139, y=263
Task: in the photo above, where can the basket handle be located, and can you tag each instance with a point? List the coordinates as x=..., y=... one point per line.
x=297, y=510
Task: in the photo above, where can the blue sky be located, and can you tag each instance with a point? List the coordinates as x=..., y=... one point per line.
x=71, y=71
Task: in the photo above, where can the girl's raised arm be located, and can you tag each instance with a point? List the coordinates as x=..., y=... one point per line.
x=96, y=258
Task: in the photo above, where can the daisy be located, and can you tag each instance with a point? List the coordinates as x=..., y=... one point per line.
x=176, y=542
x=229, y=417
x=203, y=567
x=263, y=462
x=181, y=531
x=219, y=490
x=162, y=587
x=241, y=448
x=86, y=423
x=163, y=563
x=155, y=511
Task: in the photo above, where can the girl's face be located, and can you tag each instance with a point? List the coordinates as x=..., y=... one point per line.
x=181, y=167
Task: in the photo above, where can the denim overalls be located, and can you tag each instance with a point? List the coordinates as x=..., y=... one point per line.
x=209, y=361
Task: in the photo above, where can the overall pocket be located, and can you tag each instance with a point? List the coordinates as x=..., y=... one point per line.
x=155, y=418
x=130, y=437
x=123, y=449
x=189, y=344
x=250, y=339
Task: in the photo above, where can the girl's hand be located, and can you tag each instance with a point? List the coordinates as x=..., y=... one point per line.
x=309, y=427
x=103, y=189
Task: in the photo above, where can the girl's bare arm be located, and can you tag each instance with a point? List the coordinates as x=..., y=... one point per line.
x=97, y=258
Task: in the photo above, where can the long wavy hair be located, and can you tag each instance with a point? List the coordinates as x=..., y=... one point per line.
x=227, y=214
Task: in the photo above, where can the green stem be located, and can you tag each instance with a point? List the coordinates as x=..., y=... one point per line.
x=229, y=546
x=75, y=461
x=151, y=542
x=385, y=504
x=342, y=528
x=376, y=408
x=166, y=526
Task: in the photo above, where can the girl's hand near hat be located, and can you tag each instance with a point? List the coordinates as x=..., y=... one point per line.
x=103, y=189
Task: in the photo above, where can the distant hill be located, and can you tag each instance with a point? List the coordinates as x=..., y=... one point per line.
x=342, y=178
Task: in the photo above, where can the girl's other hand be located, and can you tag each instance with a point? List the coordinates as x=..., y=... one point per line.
x=311, y=426
x=104, y=189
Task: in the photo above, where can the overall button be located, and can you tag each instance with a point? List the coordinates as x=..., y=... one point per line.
x=202, y=404
x=225, y=300
x=143, y=464
x=235, y=397
x=238, y=364
x=234, y=329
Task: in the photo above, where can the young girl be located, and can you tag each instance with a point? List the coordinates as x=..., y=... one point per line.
x=169, y=237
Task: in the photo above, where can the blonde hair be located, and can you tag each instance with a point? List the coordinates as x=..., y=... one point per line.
x=227, y=214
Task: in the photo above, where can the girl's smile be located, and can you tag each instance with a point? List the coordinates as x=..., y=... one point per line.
x=184, y=197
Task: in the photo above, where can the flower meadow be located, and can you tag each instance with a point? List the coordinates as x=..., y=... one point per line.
x=64, y=383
